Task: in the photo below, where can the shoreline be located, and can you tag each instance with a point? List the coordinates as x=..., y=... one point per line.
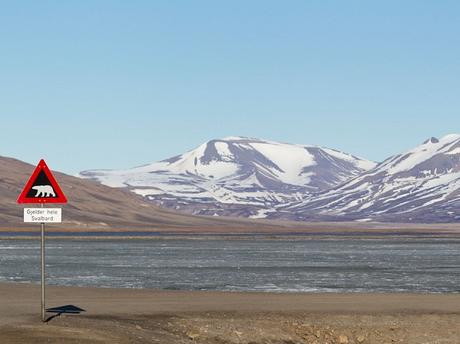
x=254, y=291
x=246, y=226
x=278, y=235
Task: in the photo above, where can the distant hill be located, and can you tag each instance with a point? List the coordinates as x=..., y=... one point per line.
x=237, y=176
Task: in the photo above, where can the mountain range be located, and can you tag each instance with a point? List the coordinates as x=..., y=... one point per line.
x=94, y=207
x=248, y=177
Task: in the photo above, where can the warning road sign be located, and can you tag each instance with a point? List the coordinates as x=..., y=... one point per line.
x=42, y=187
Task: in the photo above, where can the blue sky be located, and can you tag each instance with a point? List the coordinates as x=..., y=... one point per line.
x=115, y=84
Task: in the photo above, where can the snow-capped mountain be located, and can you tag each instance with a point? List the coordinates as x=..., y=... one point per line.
x=237, y=176
x=421, y=185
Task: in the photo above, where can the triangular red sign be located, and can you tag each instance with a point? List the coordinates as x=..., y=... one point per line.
x=42, y=187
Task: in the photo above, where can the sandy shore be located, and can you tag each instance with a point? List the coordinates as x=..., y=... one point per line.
x=148, y=316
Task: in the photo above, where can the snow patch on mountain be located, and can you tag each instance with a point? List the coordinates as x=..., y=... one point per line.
x=290, y=159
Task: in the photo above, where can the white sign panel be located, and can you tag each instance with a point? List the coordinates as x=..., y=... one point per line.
x=43, y=215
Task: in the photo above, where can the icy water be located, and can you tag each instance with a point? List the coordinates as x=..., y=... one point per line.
x=312, y=265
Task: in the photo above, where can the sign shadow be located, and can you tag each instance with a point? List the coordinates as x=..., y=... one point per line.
x=67, y=309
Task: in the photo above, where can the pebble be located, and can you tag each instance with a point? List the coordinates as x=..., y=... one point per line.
x=192, y=335
x=360, y=339
x=343, y=339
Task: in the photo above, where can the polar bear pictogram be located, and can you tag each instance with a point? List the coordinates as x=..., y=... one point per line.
x=44, y=191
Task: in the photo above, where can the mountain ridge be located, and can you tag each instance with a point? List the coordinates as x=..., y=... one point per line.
x=236, y=176
x=420, y=184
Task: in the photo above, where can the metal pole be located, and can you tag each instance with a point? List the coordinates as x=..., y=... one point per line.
x=43, y=268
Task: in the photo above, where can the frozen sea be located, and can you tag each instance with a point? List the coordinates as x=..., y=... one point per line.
x=297, y=265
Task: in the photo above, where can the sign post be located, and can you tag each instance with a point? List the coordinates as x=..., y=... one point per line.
x=42, y=250
x=40, y=189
